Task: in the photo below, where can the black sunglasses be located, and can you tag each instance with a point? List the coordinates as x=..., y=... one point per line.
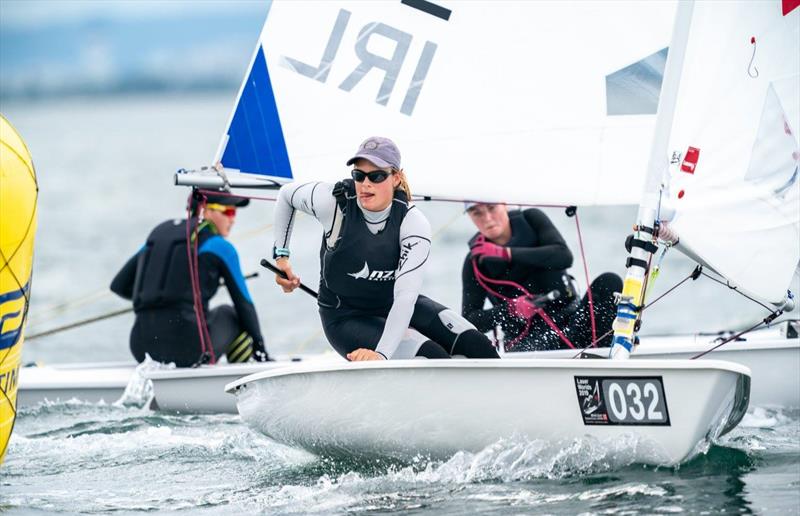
x=378, y=176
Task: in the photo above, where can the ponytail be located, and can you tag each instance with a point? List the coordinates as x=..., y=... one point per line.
x=404, y=184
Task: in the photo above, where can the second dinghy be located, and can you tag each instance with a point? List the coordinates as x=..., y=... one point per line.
x=669, y=408
x=202, y=389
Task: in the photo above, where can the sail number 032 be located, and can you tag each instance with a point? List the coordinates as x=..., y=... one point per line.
x=619, y=400
x=632, y=401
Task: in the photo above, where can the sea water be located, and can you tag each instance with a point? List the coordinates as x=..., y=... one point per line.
x=105, y=175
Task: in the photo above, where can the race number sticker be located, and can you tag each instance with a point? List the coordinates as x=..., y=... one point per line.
x=622, y=400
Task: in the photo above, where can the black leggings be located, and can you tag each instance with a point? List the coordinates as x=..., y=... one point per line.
x=170, y=335
x=445, y=332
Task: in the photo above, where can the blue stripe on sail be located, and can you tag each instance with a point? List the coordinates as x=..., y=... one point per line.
x=9, y=338
x=14, y=294
x=255, y=137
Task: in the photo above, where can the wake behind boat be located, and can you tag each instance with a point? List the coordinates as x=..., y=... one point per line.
x=666, y=409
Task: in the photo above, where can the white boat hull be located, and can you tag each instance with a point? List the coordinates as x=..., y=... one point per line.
x=90, y=382
x=198, y=389
x=773, y=360
x=202, y=389
x=406, y=408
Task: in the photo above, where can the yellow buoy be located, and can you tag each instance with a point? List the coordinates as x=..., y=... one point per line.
x=18, y=193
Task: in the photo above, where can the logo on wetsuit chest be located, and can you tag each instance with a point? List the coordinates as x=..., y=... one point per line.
x=367, y=274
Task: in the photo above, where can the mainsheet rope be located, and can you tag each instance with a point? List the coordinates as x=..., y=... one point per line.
x=588, y=283
x=206, y=348
x=484, y=280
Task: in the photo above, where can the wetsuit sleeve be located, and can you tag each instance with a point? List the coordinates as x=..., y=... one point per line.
x=315, y=199
x=552, y=252
x=415, y=246
x=218, y=253
x=473, y=298
x=122, y=284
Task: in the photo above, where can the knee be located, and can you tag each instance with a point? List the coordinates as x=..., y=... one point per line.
x=227, y=311
x=608, y=282
x=474, y=344
x=455, y=322
x=430, y=349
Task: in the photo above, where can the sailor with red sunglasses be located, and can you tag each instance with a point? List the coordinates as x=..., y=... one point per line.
x=157, y=279
x=375, y=246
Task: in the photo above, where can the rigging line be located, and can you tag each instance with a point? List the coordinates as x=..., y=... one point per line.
x=191, y=250
x=303, y=345
x=252, y=233
x=588, y=279
x=681, y=282
x=80, y=323
x=736, y=289
x=55, y=311
x=428, y=198
x=693, y=275
x=59, y=309
x=483, y=280
x=228, y=194
x=447, y=224
x=752, y=71
x=100, y=317
x=768, y=319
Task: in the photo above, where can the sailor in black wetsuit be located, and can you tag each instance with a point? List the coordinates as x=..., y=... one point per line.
x=157, y=279
x=524, y=248
x=374, y=249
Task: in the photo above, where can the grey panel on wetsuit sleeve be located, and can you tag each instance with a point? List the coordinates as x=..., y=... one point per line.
x=315, y=199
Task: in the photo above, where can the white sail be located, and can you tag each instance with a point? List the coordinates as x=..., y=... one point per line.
x=735, y=187
x=526, y=102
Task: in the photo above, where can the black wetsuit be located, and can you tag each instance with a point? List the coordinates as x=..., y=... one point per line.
x=157, y=280
x=539, y=262
x=362, y=262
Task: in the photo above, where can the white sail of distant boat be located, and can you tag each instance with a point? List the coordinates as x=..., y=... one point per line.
x=519, y=106
x=731, y=100
x=736, y=138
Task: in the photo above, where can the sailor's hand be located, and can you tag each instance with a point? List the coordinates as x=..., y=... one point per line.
x=291, y=281
x=260, y=353
x=484, y=249
x=667, y=234
x=522, y=307
x=362, y=354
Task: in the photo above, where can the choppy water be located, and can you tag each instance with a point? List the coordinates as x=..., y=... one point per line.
x=105, y=171
x=78, y=457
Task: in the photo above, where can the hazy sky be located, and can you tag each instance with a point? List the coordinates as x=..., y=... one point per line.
x=31, y=13
x=51, y=48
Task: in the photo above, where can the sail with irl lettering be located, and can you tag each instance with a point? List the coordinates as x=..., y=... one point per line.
x=528, y=102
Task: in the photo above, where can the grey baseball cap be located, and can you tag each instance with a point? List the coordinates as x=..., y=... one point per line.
x=380, y=151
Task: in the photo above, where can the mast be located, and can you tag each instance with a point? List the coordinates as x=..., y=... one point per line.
x=627, y=322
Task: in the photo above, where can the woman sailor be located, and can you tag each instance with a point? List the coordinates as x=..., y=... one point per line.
x=374, y=249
